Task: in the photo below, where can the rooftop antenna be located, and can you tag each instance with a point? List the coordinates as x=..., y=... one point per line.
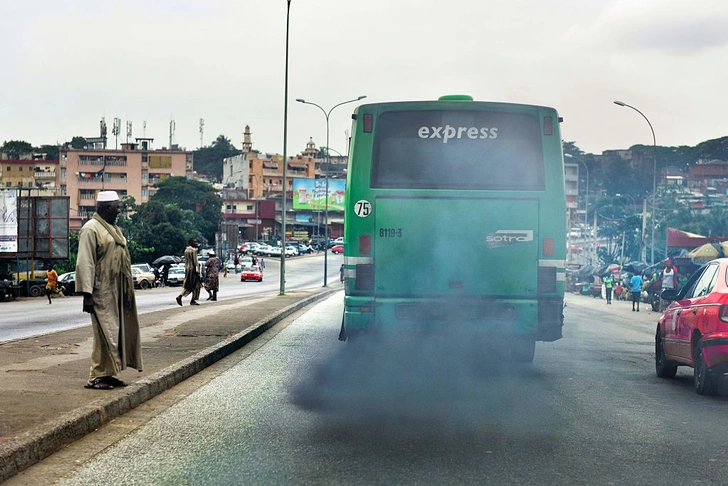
x=202, y=130
x=128, y=130
x=116, y=130
x=171, y=133
x=144, y=129
x=103, y=130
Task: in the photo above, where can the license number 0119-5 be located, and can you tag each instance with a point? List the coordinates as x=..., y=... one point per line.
x=390, y=232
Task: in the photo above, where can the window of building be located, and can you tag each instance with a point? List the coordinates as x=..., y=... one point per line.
x=63, y=173
x=145, y=192
x=228, y=208
x=145, y=158
x=20, y=184
x=107, y=176
x=20, y=169
x=8, y=168
x=7, y=184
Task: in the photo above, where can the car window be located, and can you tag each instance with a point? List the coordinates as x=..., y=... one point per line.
x=706, y=282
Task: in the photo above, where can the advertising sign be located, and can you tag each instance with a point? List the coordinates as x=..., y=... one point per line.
x=310, y=194
x=8, y=221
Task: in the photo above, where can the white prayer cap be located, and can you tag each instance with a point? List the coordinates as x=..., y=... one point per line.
x=211, y=253
x=105, y=196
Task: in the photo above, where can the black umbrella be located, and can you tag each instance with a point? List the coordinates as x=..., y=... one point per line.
x=166, y=260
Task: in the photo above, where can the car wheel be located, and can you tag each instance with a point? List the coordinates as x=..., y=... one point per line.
x=704, y=379
x=144, y=285
x=36, y=291
x=523, y=350
x=663, y=367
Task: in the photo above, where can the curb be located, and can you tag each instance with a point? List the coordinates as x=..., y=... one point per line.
x=35, y=445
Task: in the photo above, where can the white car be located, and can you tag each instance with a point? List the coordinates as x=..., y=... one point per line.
x=339, y=240
x=291, y=251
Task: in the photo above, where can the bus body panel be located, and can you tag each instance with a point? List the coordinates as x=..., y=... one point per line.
x=445, y=267
x=492, y=254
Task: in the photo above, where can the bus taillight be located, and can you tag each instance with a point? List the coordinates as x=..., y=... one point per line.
x=365, y=244
x=548, y=125
x=368, y=119
x=548, y=247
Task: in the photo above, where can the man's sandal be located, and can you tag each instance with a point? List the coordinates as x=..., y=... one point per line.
x=98, y=384
x=113, y=381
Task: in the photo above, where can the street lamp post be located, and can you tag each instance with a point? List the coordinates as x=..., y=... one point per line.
x=654, y=175
x=282, y=284
x=327, y=114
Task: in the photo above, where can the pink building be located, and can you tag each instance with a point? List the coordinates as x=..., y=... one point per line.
x=131, y=171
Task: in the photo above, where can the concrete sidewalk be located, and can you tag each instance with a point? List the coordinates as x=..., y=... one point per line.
x=44, y=406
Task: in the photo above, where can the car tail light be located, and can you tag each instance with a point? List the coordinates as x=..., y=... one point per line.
x=724, y=313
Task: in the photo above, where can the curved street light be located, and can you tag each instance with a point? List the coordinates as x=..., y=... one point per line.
x=282, y=284
x=327, y=114
x=654, y=175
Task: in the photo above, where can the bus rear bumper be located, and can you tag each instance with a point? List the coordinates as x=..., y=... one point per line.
x=535, y=319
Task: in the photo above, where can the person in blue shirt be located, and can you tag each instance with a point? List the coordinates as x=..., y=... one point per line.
x=636, y=287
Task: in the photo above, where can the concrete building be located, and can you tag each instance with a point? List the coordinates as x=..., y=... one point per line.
x=39, y=177
x=132, y=171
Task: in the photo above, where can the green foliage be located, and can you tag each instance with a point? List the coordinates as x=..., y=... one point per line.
x=200, y=206
x=78, y=142
x=16, y=148
x=51, y=151
x=208, y=160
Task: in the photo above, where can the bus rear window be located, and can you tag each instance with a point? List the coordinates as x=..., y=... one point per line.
x=461, y=149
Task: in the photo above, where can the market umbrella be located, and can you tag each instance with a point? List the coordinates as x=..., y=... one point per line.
x=635, y=267
x=166, y=260
x=708, y=252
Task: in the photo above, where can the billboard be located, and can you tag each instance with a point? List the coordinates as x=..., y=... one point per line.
x=8, y=221
x=310, y=194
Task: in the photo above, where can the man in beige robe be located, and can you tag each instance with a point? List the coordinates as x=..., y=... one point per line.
x=193, y=281
x=103, y=276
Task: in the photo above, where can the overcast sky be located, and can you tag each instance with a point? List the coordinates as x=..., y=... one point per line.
x=65, y=64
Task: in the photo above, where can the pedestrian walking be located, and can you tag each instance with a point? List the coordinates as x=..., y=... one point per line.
x=262, y=263
x=103, y=276
x=51, y=282
x=608, y=283
x=341, y=273
x=669, y=281
x=636, y=288
x=192, y=283
x=212, y=278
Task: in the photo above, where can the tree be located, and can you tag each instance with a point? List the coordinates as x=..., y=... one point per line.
x=51, y=151
x=197, y=200
x=208, y=160
x=16, y=148
x=78, y=142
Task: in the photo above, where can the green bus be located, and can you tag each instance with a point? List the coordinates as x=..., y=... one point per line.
x=456, y=219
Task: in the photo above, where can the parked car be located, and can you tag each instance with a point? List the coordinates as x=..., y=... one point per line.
x=262, y=250
x=339, y=240
x=337, y=249
x=176, y=276
x=142, y=280
x=67, y=283
x=274, y=251
x=144, y=267
x=693, y=330
x=251, y=273
x=291, y=251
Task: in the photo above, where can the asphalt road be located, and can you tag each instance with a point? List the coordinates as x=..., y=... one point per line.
x=32, y=316
x=300, y=407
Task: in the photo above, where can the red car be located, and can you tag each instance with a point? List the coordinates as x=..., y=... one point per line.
x=693, y=330
x=251, y=273
x=337, y=249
